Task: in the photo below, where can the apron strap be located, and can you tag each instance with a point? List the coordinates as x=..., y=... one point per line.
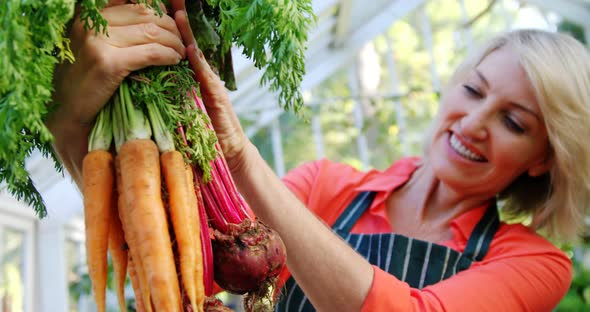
x=483, y=233
x=354, y=211
x=477, y=245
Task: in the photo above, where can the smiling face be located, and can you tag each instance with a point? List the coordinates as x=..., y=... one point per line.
x=489, y=129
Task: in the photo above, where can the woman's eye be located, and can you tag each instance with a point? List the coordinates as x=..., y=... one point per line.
x=513, y=125
x=471, y=91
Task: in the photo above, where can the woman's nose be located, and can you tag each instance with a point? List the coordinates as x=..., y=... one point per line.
x=474, y=123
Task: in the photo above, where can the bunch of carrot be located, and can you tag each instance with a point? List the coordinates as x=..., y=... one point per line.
x=143, y=197
x=156, y=193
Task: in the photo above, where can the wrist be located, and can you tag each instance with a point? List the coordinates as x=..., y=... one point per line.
x=70, y=143
x=241, y=161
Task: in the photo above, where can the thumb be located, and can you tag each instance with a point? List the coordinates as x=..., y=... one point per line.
x=178, y=5
x=211, y=86
x=184, y=27
x=226, y=123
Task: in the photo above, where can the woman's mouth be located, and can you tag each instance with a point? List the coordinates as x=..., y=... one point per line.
x=463, y=150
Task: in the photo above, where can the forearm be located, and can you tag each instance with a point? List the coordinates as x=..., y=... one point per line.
x=333, y=276
x=71, y=145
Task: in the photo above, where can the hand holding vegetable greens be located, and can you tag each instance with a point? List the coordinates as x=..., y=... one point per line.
x=36, y=37
x=137, y=38
x=170, y=176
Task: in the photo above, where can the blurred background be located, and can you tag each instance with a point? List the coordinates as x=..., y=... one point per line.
x=375, y=70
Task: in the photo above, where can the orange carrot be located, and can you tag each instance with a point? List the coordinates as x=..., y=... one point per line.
x=141, y=190
x=185, y=221
x=119, y=255
x=98, y=175
x=143, y=296
x=133, y=276
x=201, y=295
x=141, y=287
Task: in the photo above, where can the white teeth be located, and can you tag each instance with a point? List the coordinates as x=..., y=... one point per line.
x=463, y=150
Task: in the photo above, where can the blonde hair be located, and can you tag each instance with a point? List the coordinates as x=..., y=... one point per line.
x=558, y=68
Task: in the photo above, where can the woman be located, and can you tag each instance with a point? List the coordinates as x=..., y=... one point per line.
x=512, y=126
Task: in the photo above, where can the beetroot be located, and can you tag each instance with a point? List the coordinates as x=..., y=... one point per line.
x=248, y=257
x=213, y=304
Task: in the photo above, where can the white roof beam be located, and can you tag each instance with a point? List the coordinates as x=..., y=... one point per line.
x=277, y=147
x=343, y=23
x=320, y=7
x=265, y=118
x=358, y=116
x=256, y=99
x=322, y=65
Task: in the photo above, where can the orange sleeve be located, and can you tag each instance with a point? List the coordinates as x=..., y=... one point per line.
x=325, y=188
x=301, y=180
x=528, y=279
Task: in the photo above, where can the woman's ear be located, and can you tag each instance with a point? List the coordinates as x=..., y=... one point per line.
x=542, y=166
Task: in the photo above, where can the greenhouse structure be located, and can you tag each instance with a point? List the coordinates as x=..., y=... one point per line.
x=374, y=71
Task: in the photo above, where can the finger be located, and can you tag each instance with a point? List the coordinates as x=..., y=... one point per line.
x=211, y=85
x=178, y=5
x=130, y=14
x=150, y=54
x=160, y=4
x=163, y=8
x=216, y=99
x=183, y=25
x=115, y=2
x=213, y=91
x=138, y=34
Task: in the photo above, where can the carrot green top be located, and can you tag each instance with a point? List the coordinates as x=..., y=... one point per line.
x=34, y=40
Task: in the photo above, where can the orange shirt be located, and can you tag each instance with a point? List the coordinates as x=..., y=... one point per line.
x=521, y=272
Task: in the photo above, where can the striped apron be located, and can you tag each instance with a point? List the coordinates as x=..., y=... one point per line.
x=416, y=262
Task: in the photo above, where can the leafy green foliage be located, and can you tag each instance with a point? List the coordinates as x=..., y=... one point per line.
x=169, y=90
x=573, y=29
x=273, y=35
x=578, y=296
x=203, y=19
x=90, y=15
x=30, y=32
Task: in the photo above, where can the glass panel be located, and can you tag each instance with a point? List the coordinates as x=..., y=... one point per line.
x=12, y=270
x=76, y=282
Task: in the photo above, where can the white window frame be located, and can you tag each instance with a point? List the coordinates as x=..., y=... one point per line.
x=74, y=232
x=17, y=216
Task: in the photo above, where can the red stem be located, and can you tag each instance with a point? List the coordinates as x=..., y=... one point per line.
x=221, y=167
x=205, y=245
x=213, y=210
x=228, y=208
x=223, y=203
x=228, y=182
